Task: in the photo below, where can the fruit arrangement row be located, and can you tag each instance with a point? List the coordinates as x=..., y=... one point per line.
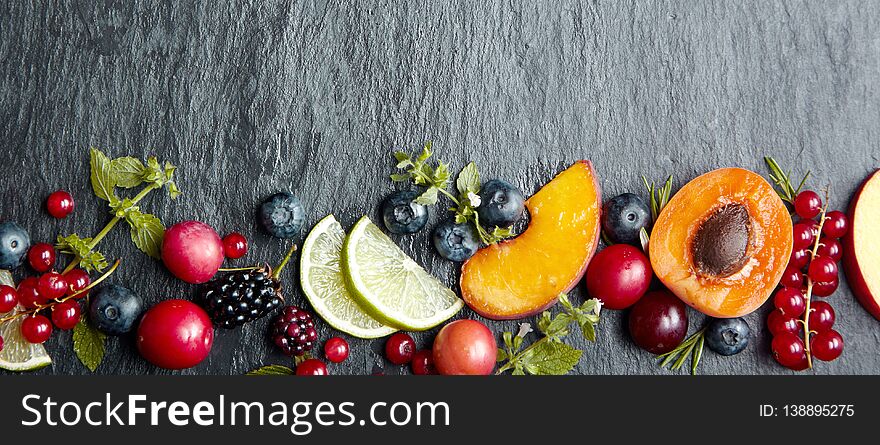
x=722, y=245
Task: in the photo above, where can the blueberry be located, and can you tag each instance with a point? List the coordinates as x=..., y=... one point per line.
x=282, y=215
x=456, y=242
x=114, y=309
x=501, y=204
x=402, y=215
x=728, y=336
x=14, y=244
x=623, y=217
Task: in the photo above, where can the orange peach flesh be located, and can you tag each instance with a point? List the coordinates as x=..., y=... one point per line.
x=525, y=275
x=768, y=252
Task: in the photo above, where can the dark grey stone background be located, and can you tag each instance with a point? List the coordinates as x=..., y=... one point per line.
x=251, y=97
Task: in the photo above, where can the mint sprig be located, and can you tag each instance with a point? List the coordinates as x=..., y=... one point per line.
x=107, y=175
x=420, y=172
x=272, y=370
x=549, y=355
x=88, y=344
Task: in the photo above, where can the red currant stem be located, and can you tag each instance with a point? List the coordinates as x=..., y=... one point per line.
x=110, y=225
x=82, y=291
x=284, y=262
x=808, y=297
x=237, y=269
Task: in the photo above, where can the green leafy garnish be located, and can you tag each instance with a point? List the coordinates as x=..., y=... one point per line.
x=659, y=196
x=106, y=176
x=420, y=172
x=272, y=370
x=784, y=188
x=692, y=347
x=88, y=344
x=549, y=355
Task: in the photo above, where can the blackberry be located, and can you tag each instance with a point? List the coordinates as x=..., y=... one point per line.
x=241, y=297
x=293, y=331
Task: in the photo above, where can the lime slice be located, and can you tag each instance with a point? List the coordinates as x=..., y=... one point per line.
x=17, y=354
x=389, y=285
x=324, y=285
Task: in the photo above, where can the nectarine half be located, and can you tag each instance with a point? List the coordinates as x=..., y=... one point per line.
x=520, y=277
x=722, y=242
x=861, y=257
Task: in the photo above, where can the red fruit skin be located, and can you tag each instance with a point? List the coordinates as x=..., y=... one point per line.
x=41, y=257
x=8, y=298
x=423, y=363
x=66, y=315
x=619, y=275
x=312, y=366
x=52, y=285
x=60, y=204
x=192, y=251
x=851, y=266
x=235, y=246
x=36, y=329
x=175, y=334
x=465, y=347
x=653, y=321
x=77, y=280
x=28, y=295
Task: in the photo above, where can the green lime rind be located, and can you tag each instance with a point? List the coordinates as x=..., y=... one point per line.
x=323, y=283
x=389, y=285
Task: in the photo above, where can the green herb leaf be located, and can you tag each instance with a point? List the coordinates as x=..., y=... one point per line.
x=468, y=180
x=691, y=347
x=146, y=232
x=272, y=370
x=428, y=197
x=88, y=344
x=103, y=181
x=90, y=259
x=550, y=358
x=127, y=171
x=781, y=179
x=658, y=197
x=173, y=190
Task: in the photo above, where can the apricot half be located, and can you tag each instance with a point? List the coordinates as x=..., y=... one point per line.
x=525, y=275
x=722, y=242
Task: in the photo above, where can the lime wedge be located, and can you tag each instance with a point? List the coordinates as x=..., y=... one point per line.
x=17, y=354
x=389, y=285
x=324, y=285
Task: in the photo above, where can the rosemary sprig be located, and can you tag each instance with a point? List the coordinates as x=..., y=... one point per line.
x=691, y=347
x=659, y=196
x=785, y=190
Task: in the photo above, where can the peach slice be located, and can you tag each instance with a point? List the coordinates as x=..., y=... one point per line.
x=523, y=276
x=861, y=258
x=722, y=242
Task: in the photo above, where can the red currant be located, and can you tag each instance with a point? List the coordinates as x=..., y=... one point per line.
x=822, y=269
x=423, y=363
x=1, y=343
x=792, y=277
x=41, y=257
x=831, y=248
x=787, y=349
x=235, y=245
x=399, y=348
x=804, y=235
x=60, y=204
x=799, y=259
x=836, y=224
x=808, y=204
x=77, y=280
x=336, y=350
x=821, y=316
x=8, y=298
x=36, y=329
x=790, y=301
x=827, y=346
x=801, y=364
x=66, y=315
x=779, y=324
x=28, y=295
x=825, y=288
x=52, y=286
x=311, y=366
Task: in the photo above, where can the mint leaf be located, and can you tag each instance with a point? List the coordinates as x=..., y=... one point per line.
x=88, y=344
x=173, y=190
x=102, y=177
x=146, y=232
x=127, y=171
x=272, y=370
x=428, y=197
x=90, y=259
x=550, y=358
x=468, y=180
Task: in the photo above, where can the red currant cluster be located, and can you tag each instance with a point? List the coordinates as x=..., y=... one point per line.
x=802, y=328
x=51, y=295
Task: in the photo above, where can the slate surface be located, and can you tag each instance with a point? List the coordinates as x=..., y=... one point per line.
x=250, y=97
